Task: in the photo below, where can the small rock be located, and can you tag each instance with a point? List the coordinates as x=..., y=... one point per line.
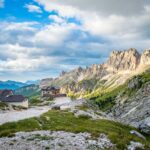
x=134, y=145
x=88, y=113
x=137, y=134
x=55, y=108
x=81, y=113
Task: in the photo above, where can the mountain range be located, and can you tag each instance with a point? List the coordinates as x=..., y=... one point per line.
x=13, y=85
x=121, y=65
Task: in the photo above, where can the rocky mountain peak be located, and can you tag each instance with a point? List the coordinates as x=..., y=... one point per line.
x=132, y=50
x=63, y=73
x=124, y=60
x=146, y=51
x=145, y=57
x=79, y=69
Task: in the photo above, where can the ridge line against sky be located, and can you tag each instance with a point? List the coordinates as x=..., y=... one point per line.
x=40, y=38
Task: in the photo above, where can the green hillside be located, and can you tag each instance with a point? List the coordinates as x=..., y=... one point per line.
x=29, y=91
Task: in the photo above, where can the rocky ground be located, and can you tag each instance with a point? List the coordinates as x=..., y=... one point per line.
x=66, y=103
x=45, y=140
x=79, y=107
x=135, y=110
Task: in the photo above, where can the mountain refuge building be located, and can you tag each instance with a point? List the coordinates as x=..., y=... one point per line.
x=8, y=97
x=51, y=92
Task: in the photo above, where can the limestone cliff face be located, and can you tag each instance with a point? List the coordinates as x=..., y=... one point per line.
x=124, y=60
x=145, y=57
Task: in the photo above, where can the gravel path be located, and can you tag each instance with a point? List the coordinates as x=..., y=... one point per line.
x=10, y=116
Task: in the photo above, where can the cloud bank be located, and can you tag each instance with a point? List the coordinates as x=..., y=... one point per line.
x=78, y=33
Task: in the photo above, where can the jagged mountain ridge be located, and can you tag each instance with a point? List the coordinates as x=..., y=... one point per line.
x=121, y=65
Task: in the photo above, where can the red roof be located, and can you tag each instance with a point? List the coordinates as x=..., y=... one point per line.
x=5, y=92
x=1, y=91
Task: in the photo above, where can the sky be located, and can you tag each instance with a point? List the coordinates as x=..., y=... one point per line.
x=40, y=38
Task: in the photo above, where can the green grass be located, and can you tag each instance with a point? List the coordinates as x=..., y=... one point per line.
x=82, y=107
x=38, y=101
x=65, y=121
x=106, y=101
x=35, y=100
x=38, y=136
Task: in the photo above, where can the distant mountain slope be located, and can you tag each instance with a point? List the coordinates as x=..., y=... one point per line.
x=29, y=90
x=11, y=85
x=29, y=82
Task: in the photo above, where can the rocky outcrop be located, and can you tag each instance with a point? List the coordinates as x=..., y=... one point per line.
x=145, y=57
x=135, y=83
x=124, y=60
x=89, y=113
x=134, y=110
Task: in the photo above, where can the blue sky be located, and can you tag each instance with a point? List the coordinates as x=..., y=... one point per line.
x=40, y=38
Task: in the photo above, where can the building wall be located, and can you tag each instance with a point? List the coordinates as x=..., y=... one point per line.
x=23, y=104
x=52, y=92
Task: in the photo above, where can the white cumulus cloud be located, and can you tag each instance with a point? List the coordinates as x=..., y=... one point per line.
x=1, y=3
x=33, y=8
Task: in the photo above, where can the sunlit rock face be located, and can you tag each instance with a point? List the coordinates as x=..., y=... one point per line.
x=145, y=57
x=124, y=60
